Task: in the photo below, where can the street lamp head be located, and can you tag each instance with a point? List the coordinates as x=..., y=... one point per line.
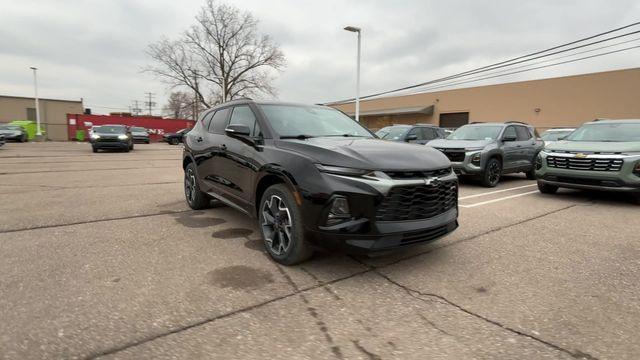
x=352, y=29
x=33, y=68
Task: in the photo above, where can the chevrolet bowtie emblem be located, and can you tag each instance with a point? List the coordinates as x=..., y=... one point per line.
x=431, y=181
x=581, y=155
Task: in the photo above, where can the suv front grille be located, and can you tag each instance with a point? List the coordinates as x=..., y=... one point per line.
x=417, y=202
x=453, y=155
x=596, y=164
x=418, y=174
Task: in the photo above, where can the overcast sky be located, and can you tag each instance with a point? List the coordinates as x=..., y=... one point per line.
x=95, y=49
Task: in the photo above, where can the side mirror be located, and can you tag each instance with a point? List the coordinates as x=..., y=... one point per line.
x=237, y=130
x=509, y=138
x=412, y=137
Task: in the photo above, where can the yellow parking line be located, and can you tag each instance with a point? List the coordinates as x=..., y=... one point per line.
x=498, y=199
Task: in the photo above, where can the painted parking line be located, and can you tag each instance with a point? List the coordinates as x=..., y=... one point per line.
x=495, y=192
x=499, y=199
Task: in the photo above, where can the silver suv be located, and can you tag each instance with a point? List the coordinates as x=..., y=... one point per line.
x=489, y=150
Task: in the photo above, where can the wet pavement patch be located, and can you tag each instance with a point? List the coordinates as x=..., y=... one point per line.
x=191, y=221
x=232, y=233
x=257, y=245
x=239, y=277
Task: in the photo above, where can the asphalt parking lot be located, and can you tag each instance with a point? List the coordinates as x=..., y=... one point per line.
x=101, y=257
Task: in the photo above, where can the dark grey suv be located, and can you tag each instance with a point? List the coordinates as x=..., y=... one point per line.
x=418, y=133
x=489, y=150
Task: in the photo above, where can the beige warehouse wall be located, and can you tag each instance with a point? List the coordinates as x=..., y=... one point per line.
x=53, y=113
x=565, y=101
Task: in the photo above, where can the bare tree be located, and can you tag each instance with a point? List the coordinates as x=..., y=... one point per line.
x=221, y=57
x=181, y=105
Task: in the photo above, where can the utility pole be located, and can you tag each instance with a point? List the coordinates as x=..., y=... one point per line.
x=358, y=31
x=136, y=109
x=35, y=86
x=150, y=104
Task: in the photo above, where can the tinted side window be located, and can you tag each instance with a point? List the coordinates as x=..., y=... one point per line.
x=219, y=121
x=207, y=119
x=523, y=133
x=510, y=132
x=242, y=115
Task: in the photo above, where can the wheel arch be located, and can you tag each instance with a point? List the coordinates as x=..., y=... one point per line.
x=271, y=176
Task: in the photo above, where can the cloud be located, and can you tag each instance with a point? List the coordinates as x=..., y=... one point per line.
x=95, y=49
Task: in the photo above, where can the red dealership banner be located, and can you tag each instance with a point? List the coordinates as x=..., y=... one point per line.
x=155, y=125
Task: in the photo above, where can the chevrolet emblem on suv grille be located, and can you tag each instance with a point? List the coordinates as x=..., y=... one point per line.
x=581, y=155
x=432, y=181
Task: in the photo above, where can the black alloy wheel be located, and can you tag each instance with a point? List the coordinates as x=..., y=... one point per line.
x=279, y=219
x=492, y=173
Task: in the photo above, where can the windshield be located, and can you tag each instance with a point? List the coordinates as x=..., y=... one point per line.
x=312, y=121
x=555, y=135
x=110, y=130
x=468, y=132
x=10, y=127
x=138, y=129
x=616, y=132
x=392, y=132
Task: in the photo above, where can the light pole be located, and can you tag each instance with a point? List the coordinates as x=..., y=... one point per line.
x=35, y=86
x=359, y=32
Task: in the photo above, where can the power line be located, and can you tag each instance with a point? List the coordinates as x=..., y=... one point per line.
x=534, y=64
x=150, y=104
x=521, y=71
x=508, y=62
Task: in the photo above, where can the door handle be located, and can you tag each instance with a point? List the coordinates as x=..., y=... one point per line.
x=199, y=139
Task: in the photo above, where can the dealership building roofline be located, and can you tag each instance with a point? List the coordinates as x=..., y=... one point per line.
x=43, y=99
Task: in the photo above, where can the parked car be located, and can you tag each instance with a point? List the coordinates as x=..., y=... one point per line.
x=313, y=177
x=111, y=137
x=419, y=133
x=490, y=150
x=600, y=155
x=176, y=137
x=140, y=134
x=2, y=141
x=14, y=132
x=552, y=135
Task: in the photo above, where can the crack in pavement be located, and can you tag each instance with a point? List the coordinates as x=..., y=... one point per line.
x=368, y=269
x=368, y=353
x=577, y=354
x=94, y=221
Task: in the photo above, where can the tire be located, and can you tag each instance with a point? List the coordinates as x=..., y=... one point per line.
x=174, y=141
x=95, y=150
x=127, y=149
x=131, y=147
x=492, y=173
x=278, y=212
x=23, y=138
x=146, y=141
x=196, y=199
x=546, y=188
x=531, y=174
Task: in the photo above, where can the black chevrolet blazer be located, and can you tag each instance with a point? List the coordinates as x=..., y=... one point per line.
x=313, y=177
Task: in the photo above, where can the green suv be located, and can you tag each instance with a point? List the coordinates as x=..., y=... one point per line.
x=600, y=155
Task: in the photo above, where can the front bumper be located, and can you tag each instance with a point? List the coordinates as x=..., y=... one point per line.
x=462, y=161
x=144, y=139
x=623, y=180
x=110, y=145
x=363, y=233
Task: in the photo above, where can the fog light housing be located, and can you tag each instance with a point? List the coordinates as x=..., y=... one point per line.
x=339, y=211
x=475, y=159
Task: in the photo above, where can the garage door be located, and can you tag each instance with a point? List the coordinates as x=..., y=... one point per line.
x=454, y=120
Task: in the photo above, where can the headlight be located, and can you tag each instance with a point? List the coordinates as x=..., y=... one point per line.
x=636, y=169
x=95, y=136
x=123, y=137
x=475, y=159
x=341, y=170
x=473, y=149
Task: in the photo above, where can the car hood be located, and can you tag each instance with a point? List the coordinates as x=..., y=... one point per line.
x=370, y=154
x=10, y=132
x=594, y=146
x=458, y=144
x=139, y=133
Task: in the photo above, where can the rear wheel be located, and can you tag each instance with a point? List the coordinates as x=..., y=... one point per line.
x=546, y=188
x=23, y=138
x=174, y=141
x=281, y=226
x=492, y=172
x=196, y=199
x=95, y=150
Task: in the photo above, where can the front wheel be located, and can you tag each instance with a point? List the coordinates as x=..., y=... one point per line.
x=196, y=199
x=492, y=173
x=546, y=188
x=95, y=150
x=531, y=174
x=281, y=226
x=174, y=141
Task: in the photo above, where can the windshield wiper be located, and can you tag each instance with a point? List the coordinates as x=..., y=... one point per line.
x=299, y=137
x=344, y=135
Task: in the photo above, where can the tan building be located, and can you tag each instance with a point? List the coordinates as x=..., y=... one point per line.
x=556, y=102
x=53, y=113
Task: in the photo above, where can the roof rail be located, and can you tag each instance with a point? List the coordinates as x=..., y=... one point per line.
x=423, y=124
x=515, y=122
x=600, y=119
x=477, y=122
